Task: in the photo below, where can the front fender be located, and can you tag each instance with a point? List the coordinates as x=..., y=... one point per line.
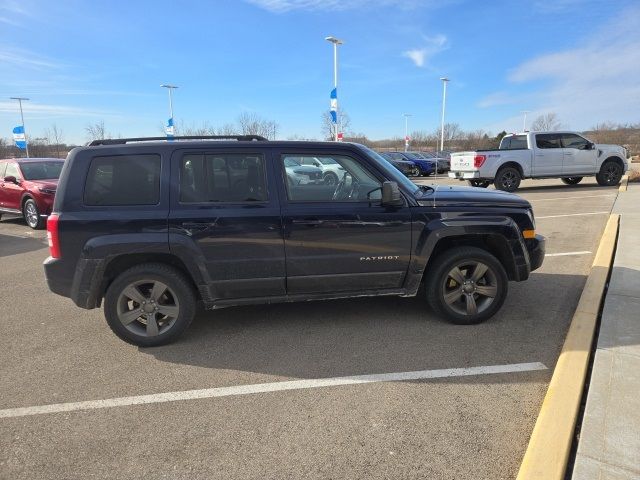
x=501, y=232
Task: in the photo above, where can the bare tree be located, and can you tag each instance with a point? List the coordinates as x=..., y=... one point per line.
x=253, y=124
x=55, y=137
x=546, y=123
x=96, y=131
x=327, y=127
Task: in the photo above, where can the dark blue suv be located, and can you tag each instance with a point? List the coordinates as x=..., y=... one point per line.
x=150, y=228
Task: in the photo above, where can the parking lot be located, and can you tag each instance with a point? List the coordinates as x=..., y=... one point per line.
x=443, y=423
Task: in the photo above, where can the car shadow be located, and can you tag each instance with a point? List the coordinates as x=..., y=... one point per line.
x=379, y=335
x=14, y=245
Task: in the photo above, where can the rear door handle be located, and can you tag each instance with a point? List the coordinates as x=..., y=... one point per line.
x=568, y=153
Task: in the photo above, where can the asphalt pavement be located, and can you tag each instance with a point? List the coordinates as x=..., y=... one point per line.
x=473, y=425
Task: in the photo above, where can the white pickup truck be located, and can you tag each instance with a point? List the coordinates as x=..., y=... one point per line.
x=565, y=155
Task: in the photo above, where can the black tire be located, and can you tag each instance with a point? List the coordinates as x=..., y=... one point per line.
x=610, y=174
x=31, y=214
x=507, y=179
x=480, y=183
x=571, y=180
x=441, y=288
x=179, y=296
x=330, y=178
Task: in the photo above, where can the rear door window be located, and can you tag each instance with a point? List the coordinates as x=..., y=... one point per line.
x=3, y=167
x=123, y=180
x=548, y=140
x=222, y=178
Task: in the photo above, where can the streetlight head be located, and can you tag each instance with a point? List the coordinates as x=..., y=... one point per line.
x=168, y=86
x=444, y=79
x=18, y=98
x=335, y=40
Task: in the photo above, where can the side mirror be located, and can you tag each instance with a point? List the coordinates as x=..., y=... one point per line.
x=11, y=179
x=590, y=146
x=391, y=195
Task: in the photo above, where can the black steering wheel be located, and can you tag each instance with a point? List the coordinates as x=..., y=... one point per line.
x=344, y=191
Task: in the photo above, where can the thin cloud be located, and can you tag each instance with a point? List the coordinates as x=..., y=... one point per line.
x=433, y=45
x=25, y=59
x=284, y=6
x=591, y=82
x=50, y=111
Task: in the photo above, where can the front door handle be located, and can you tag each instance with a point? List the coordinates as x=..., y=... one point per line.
x=309, y=222
x=196, y=225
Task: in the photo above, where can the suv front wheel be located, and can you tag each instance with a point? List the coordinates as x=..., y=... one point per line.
x=149, y=305
x=466, y=285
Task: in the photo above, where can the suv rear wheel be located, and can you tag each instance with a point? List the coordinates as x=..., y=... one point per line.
x=150, y=304
x=466, y=285
x=32, y=215
x=507, y=179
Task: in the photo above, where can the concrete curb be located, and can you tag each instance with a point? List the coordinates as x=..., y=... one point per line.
x=550, y=444
x=623, y=183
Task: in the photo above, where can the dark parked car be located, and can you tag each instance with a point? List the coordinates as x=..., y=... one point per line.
x=27, y=187
x=443, y=160
x=150, y=228
x=409, y=168
x=425, y=166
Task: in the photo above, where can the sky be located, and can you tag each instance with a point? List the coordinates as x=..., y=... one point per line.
x=82, y=62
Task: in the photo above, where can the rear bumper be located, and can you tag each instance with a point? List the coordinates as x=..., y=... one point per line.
x=464, y=175
x=80, y=284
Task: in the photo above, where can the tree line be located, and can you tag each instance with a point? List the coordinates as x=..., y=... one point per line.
x=51, y=142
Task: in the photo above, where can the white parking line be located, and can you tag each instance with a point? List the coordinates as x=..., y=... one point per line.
x=573, y=215
x=268, y=387
x=566, y=253
x=569, y=198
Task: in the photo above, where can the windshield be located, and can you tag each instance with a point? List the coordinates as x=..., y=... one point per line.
x=406, y=183
x=290, y=162
x=327, y=161
x=41, y=170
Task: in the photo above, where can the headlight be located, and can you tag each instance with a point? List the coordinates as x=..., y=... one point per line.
x=47, y=190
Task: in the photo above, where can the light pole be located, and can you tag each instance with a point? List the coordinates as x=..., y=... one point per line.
x=334, y=100
x=524, y=121
x=170, y=88
x=406, y=130
x=26, y=142
x=444, y=99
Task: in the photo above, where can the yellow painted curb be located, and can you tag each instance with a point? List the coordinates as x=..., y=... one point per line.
x=623, y=183
x=548, y=451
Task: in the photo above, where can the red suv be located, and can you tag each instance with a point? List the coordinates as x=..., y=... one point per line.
x=27, y=187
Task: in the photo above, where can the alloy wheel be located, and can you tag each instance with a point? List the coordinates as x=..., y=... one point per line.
x=148, y=308
x=470, y=288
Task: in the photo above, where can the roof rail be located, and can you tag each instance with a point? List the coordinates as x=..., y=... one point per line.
x=123, y=141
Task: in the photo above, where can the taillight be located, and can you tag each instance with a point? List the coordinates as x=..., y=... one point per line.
x=478, y=160
x=52, y=235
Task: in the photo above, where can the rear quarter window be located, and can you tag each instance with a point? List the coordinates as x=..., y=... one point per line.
x=123, y=180
x=514, y=142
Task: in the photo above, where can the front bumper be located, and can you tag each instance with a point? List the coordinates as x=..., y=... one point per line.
x=536, y=248
x=464, y=175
